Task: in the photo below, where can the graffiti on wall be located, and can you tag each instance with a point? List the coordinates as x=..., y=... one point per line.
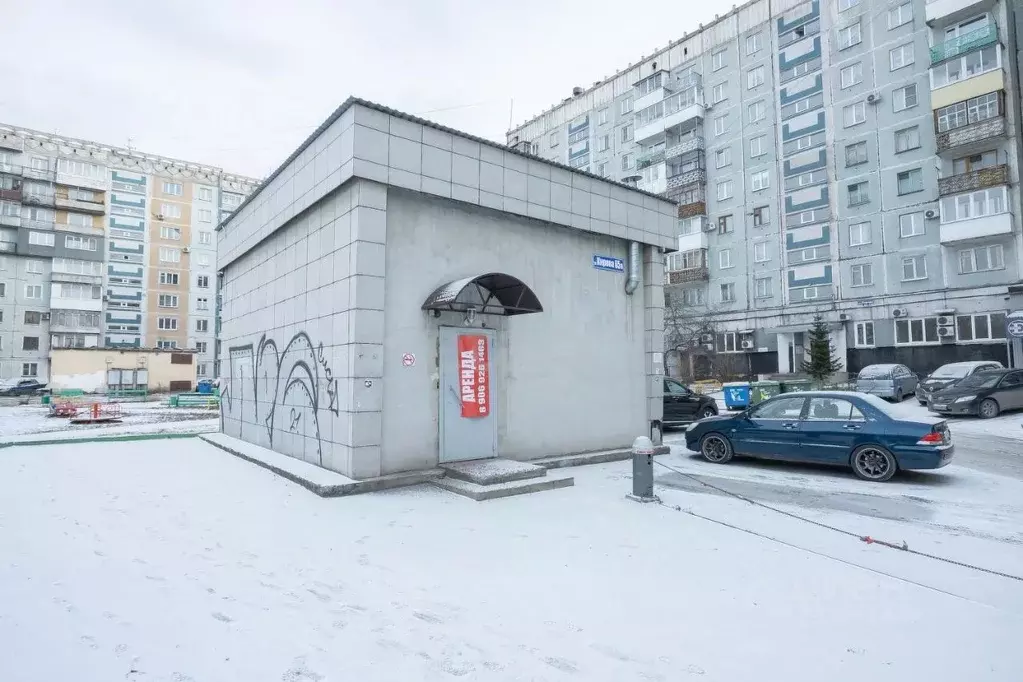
x=280, y=391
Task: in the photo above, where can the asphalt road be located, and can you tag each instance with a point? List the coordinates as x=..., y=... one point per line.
x=990, y=454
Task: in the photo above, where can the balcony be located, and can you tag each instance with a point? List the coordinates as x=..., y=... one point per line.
x=699, y=274
x=76, y=279
x=971, y=133
x=697, y=175
x=649, y=158
x=975, y=228
x=37, y=199
x=13, y=194
x=93, y=207
x=691, y=144
x=693, y=208
x=9, y=140
x=949, y=11
x=8, y=247
x=968, y=42
x=10, y=220
x=652, y=121
x=693, y=241
x=33, y=224
x=969, y=182
x=100, y=183
x=11, y=169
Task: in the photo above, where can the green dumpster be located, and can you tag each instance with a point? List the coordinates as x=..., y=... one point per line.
x=172, y=401
x=762, y=390
x=46, y=400
x=795, y=385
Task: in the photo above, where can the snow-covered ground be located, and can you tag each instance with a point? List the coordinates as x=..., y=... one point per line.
x=179, y=562
x=23, y=423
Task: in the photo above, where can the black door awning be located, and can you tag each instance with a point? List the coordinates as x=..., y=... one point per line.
x=492, y=294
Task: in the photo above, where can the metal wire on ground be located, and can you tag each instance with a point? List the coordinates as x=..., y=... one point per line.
x=903, y=547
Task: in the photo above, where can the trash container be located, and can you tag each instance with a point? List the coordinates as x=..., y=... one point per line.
x=736, y=395
x=172, y=401
x=46, y=400
x=795, y=385
x=205, y=387
x=762, y=390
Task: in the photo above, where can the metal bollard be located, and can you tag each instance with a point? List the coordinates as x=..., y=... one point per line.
x=643, y=471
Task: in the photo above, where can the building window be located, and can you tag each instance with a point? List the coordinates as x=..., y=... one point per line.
x=3, y=292
x=922, y=330
x=203, y=260
x=170, y=211
x=553, y=140
x=762, y=287
x=201, y=368
x=760, y=252
x=754, y=43
x=34, y=291
x=717, y=59
x=843, y=5
x=167, y=323
x=970, y=65
x=849, y=36
x=859, y=234
x=627, y=133
x=79, y=220
x=854, y=114
x=728, y=293
x=761, y=216
x=33, y=317
x=910, y=181
x=862, y=275
x=166, y=345
x=856, y=154
x=907, y=139
x=718, y=93
x=901, y=56
x=760, y=180
x=981, y=259
x=167, y=232
x=852, y=74
x=757, y=111
x=724, y=190
x=30, y=343
x=169, y=278
x=10, y=210
x=723, y=157
x=205, y=215
x=858, y=194
x=79, y=292
x=602, y=116
x=977, y=204
x=602, y=169
x=864, y=335
x=173, y=189
x=80, y=243
x=691, y=297
x=205, y=194
x=911, y=225
x=202, y=325
x=78, y=267
x=757, y=147
x=29, y=369
x=721, y=125
x=897, y=16
x=626, y=106
x=202, y=304
x=983, y=327
x=603, y=143
x=201, y=346
x=34, y=267
x=201, y=281
x=725, y=224
x=914, y=268
x=755, y=77
x=974, y=162
x=904, y=98
x=626, y=162
x=168, y=301
x=971, y=111
x=205, y=237
x=725, y=259
x=169, y=255
x=41, y=238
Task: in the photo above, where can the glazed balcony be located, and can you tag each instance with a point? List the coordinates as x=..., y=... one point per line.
x=695, y=176
x=974, y=180
x=690, y=143
x=8, y=247
x=971, y=133
x=968, y=42
x=12, y=194
x=944, y=12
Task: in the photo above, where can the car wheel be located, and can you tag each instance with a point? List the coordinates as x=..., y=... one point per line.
x=715, y=448
x=989, y=408
x=923, y=402
x=707, y=412
x=873, y=463
x=898, y=396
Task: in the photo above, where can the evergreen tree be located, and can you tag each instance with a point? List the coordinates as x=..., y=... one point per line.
x=822, y=362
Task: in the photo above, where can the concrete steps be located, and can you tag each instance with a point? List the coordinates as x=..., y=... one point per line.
x=489, y=479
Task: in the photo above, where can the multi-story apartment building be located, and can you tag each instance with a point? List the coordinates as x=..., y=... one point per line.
x=106, y=247
x=854, y=158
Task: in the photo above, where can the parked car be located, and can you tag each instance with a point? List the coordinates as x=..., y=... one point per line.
x=949, y=374
x=682, y=406
x=985, y=394
x=829, y=427
x=887, y=381
x=22, y=387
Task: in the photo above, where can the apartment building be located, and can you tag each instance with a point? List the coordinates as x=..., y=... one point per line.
x=106, y=247
x=853, y=158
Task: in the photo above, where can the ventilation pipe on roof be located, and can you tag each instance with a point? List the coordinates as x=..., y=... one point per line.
x=633, y=280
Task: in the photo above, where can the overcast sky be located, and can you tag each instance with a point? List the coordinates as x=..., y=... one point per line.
x=240, y=83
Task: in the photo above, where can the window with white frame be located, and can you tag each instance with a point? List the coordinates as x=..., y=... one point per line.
x=757, y=111
x=858, y=193
x=725, y=259
x=981, y=259
x=201, y=347
x=3, y=293
x=760, y=252
x=164, y=344
x=167, y=323
x=169, y=278
x=850, y=35
x=760, y=180
x=9, y=209
x=971, y=111
x=201, y=369
x=854, y=114
x=861, y=275
x=168, y=301
x=982, y=327
x=863, y=335
x=78, y=292
x=757, y=146
x=914, y=267
x=553, y=140
x=82, y=169
x=204, y=193
x=762, y=287
x=203, y=260
x=717, y=59
x=910, y=181
x=79, y=219
x=761, y=216
x=29, y=369
x=205, y=215
x=907, y=139
x=202, y=325
x=73, y=266
x=202, y=281
x=916, y=331
x=602, y=116
x=985, y=202
x=41, y=238
x=897, y=16
x=724, y=190
x=852, y=74
x=718, y=93
x=843, y=5
x=626, y=106
x=755, y=77
x=80, y=243
x=802, y=105
x=626, y=133
x=727, y=292
x=76, y=194
x=170, y=255
x=901, y=56
x=691, y=297
x=721, y=125
x=971, y=64
x=170, y=210
x=603, y=143
x=627, y=162
x=167, y=232
x=859, y=234
x=174, y=189
x=904, y=98
x=754, y=43
x=34, y=267
x=726, y=224
x=202, y=303
x=205, y=237
x=804, y=142
x=34, y=291
x=856, y=153
x=911, y=225
x=723, y=157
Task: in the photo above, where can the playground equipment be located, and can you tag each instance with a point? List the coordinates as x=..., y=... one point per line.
x=98, y=413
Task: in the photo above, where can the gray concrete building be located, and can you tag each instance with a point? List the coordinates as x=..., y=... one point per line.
x=398, y=294
x=854, y=158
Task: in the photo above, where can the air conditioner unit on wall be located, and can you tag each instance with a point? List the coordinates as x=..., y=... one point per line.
x=931, y=214
x=946, y=321
x=946, y=332
x=707, y=338
x=899, y=312
x=747, y=345
x=843, y=317
x=873, y=98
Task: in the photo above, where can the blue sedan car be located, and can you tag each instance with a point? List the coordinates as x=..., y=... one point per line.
x=826, y=427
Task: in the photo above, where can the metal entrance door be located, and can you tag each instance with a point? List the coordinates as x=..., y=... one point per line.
x=468, y=427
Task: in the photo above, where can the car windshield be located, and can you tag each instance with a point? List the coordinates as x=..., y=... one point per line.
x=980, y=380
x=877, y=372
x=951, y=372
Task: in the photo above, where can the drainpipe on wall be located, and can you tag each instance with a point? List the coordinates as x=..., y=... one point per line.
x=634, y=264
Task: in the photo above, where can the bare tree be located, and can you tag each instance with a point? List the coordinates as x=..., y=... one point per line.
x=690, y=338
